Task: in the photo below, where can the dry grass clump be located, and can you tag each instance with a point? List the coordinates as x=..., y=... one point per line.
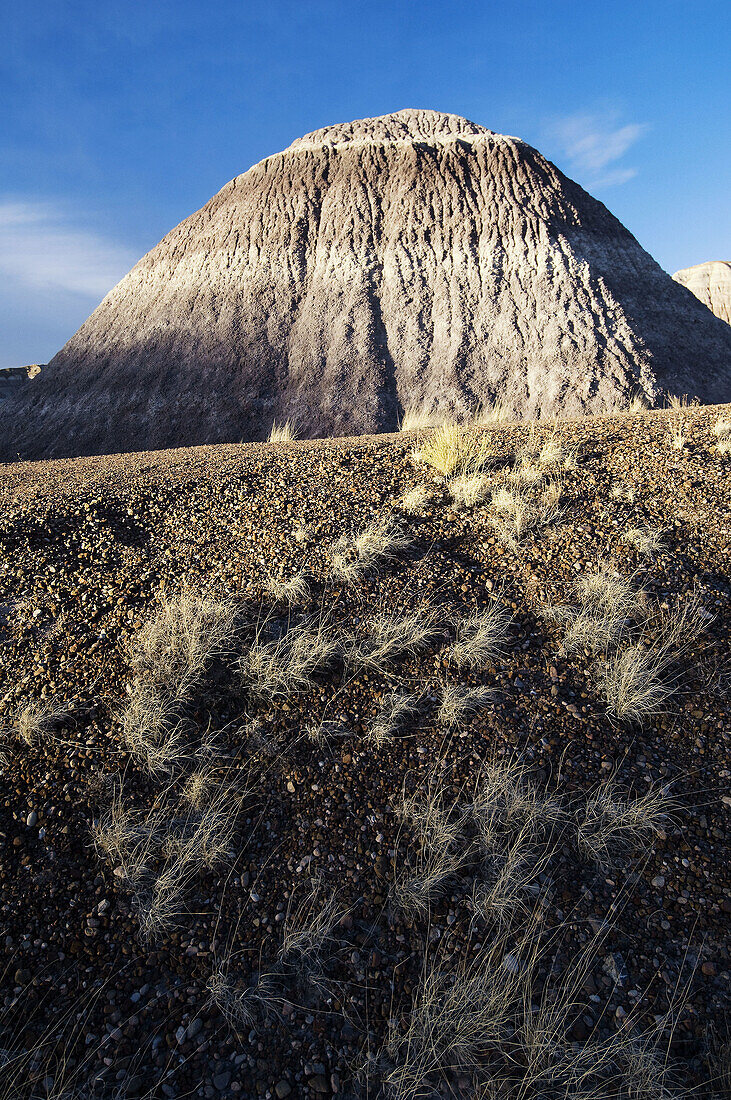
x=638, y=403
x=515, y=827
x=459, y=701
x=638, y=680
x=467, y=490
x=419, y=417
x=646, y=540
x=241, y=1006
x=35, y=719
x=394, y=710
x=608, y=602
x=173, y=648
x=127, y=839
x=499, y=1022
x=390, y=638
x=287, y=664
x=452, y=449
x=611, y=828
x=282, y=433
x=350, y=559
x=437, y=827
x=293, y=590
x=676, y=433
x=481, y=637
x=520, y=510
x=415, y=500
x=494, y=412
x=312, y=913
x=622, y=492
x=722, y=431
x=537, y=457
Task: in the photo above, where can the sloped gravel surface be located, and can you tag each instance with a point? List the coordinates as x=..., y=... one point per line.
x=88, y=548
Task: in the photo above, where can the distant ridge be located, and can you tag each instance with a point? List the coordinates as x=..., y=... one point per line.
x=711, y=284
x=413, y=258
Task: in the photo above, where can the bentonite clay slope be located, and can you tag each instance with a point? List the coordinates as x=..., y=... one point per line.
x=414, y=258
x=711, y=284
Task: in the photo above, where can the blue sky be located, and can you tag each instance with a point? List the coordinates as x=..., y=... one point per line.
x=121, y=118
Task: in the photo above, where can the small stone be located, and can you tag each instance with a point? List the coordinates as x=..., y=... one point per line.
x=319, y=1083
x=709, y=969
x=658, y=881
x=221, y=1080
x=32, y=819
x=290, y=787
x=282, y=1088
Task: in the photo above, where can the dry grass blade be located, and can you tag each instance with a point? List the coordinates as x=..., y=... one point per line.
x=612, y=828
x=151, y=730
x=459, y=701
x=287, y=664
x=350, y=559
x=520, y=511
x=394, y=709
x=481, y=637
x=624, y=493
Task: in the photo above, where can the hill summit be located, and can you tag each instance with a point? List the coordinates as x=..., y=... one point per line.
x=711, y=284
x=416, y=258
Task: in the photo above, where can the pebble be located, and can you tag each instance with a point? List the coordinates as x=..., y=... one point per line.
x=32, y=819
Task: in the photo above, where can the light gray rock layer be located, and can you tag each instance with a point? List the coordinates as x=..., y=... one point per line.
x=416, y=258
x=711, y=284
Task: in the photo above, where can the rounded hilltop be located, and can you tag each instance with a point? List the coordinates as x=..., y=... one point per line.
x=412, y=259
x=410, y=124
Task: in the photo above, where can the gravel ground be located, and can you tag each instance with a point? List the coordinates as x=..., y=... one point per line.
x=89, y=547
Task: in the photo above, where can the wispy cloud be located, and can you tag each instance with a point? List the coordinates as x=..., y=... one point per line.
x=42, y=248
x=593, y=143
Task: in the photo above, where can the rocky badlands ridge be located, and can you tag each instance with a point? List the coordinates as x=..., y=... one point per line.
x=413, y=258
x=711, y=284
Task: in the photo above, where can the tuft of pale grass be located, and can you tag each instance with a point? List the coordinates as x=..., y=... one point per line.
x=415, y=500
x=313, y=911
x=678, y=401
x=722, y=427
x=350, y=559
x=519, y=511
x=127, y=839
x=286, y=665
x=622, y=492
x=723, y=447
x=481, y=637
x=35, y=719
x=494, y=412
x=638, y=403
x=467, y=490
x=459, y=701
x=518, y=831
x=151, y=730
x=394, y=709
x=676, y=433
x=638, y=680
x=292, y=590
x=608, y=602
x=437, y=827
x=199, y=788
x=174, y=646
x=646, y=540
x=419, y=417
x=452, y=449
x=612, y=828
x=282, y=433
x=241, y=1006
x=390, y=638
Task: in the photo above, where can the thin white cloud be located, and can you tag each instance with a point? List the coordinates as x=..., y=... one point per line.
x=42, y=249
x=594, y=142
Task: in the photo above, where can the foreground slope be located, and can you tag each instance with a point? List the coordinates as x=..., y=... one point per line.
x=413, y=258
x=711, y=284
x=291, y=896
